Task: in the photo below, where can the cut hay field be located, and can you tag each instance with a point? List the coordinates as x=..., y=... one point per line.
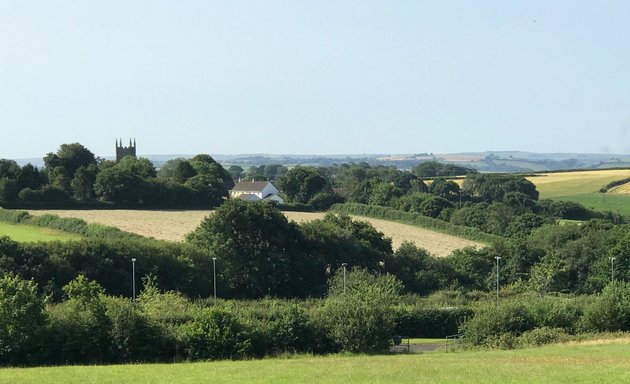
x=31, y=233
x=174, y=225
x=595, y=362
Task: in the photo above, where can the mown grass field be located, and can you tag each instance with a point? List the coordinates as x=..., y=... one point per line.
x=575, y=363
x=31, y=233
x=174, y=225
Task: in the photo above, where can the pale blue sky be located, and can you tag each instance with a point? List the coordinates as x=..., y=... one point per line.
x=315, y=77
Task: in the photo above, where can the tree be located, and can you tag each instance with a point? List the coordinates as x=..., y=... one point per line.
x=336, y=239
x=119, y=186
x=22, y=321
x=300, y=184
x=83, y=182
x=69, y=157
x=259, y=251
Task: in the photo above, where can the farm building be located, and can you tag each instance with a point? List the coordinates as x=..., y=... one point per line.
x=255, y=191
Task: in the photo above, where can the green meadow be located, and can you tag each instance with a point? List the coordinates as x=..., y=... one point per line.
x=601, y=202
x=30, y=233
x=606, y=363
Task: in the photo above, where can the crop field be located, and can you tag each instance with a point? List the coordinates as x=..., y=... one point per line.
x=554, y=185
x=592, y=362
x=174, y=225
x=583, y=187
x=30, y=233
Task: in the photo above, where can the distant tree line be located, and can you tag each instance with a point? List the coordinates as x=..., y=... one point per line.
x=73, y=176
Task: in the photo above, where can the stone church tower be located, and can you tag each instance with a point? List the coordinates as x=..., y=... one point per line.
x=125, y=151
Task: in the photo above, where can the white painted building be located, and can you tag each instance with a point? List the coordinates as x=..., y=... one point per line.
x=255, y=190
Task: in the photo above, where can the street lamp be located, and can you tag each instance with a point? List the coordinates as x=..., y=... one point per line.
x=214, y=278
x=344, y=265
x=133, y=283
x=612, y=269
x=497, y=258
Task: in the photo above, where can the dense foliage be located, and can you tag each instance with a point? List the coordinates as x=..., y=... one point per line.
x=74, y=177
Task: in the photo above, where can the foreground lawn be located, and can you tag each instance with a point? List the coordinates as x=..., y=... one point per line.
x=556, y=364
x=28, y=233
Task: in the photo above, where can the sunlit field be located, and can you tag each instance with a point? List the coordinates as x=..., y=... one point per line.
x=30, y=233
x=174, y=225
x=592, y=362
x=555, y=185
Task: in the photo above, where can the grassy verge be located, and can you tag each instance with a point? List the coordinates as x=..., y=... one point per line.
x=608, y=363
x=415, y=219
x=31, y=233
x=67, y=225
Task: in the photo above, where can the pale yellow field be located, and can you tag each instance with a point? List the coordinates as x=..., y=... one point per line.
x=574, y=183
x=623, y=189
x=174, y=225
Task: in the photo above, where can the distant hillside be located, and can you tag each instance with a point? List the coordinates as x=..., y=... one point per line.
x=498, y=161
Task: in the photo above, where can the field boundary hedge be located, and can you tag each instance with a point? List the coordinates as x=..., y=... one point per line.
x=72, y=225
x=415, y=219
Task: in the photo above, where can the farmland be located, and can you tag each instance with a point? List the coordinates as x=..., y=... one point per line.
x=29, y=233
x=174, y=225
x=583, y=187
x=554, y=185
x=598, y=361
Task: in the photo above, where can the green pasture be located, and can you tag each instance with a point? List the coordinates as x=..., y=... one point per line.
x=601, y=202
x=30, y=233
x=553, y=364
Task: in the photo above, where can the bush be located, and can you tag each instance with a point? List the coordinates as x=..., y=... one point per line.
x=214, y=334
x=354, y=325
x=541, y=336
x=429, y=322
x=22, y=321
x=490, y=322
x=133, y=337
x=611, y=309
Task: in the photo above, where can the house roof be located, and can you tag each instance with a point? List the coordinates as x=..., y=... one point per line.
x=250, y=186
x=248, y=197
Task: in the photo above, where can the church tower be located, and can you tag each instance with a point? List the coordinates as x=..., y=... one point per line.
x=122, y=151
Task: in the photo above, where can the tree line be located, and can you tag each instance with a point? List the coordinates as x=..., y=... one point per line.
x=73, y=177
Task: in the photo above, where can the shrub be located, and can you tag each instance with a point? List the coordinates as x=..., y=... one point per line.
x=429, y=322
x=354, y=325
x=490, y=322
x=22, y=321
x=611, y=309
x=133, y=336
x=541, y=336
x=214, y=334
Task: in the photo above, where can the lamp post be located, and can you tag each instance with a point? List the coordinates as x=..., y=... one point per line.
x=214, y=278
x=344, y=265
x=612, y=269
x=497, y=258
x=133, y=283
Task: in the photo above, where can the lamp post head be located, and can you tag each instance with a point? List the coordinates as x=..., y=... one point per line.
x=344, y=264
x=497, y=258
x=133, y=260
x=214, y=259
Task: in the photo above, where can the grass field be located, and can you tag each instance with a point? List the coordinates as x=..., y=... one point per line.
x=174, y=225
x=29, y=233
x=594, y=362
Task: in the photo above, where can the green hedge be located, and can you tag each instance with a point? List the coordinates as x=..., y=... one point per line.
x=415, y=219
x=430, y=322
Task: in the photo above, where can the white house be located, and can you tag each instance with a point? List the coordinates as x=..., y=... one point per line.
x=255, y=190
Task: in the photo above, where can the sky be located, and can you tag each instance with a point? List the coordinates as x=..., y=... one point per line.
x=314, y=77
